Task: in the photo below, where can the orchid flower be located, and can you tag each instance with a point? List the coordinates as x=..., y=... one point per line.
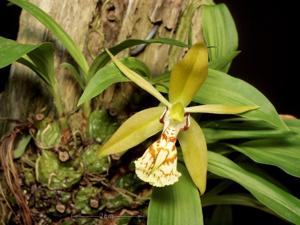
x=158, y=165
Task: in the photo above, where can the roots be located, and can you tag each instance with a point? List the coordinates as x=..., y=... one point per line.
x=11, y=174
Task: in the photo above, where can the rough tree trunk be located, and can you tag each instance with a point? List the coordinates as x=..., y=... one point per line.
x=94, y=25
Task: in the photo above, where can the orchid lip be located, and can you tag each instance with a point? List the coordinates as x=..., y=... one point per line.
x=158, y=165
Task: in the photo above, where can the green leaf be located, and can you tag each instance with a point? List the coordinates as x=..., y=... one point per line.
x=193, y=145
x=255, y=168
x=220, y=33
x=104, y=58
x=138, y=80
x=11, y=51
x=109, y=75
x=133, y=131
x=283, y=153
x=57, y=30
x=220, y=88
x=241, y=128
x=71, y=68
x=223, y=62
x=234, y=199
x=282, y=203
x=177, y=204
x=27, y=62
x=190, y=20
x=21, y=146
x=188, y=75
x=39, y=57
x=294, y=125
x=43, y=59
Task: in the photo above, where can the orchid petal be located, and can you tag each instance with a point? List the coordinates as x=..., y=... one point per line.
x=188, y=75
x=138, y=80
x=133, y=131
x=193, y=145
x=220, y=109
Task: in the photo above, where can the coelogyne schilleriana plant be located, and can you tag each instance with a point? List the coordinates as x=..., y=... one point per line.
x=158, y=165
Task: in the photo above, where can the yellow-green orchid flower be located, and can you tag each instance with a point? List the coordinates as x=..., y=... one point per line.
x=158, y=165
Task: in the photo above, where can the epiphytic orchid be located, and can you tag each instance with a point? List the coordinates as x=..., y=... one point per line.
x=158, y=165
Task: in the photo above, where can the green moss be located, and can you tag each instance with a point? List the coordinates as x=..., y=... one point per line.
x=101, y=126
x=83, y=197
x=56, y=175
x=91, y=161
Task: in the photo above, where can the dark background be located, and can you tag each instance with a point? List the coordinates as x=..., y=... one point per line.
x=9, y=23
x=267, y=39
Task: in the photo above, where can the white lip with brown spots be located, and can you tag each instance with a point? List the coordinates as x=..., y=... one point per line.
x=158, y=165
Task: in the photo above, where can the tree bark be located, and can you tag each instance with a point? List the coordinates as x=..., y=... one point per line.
x=94, y=25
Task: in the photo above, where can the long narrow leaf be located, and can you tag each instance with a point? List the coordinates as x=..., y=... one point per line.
x=220, y=33
x=177, y=204
x=27, y=62
x=71, y=68
x=56, y=29
x=283, y=153
x=234, y=199
x=213, y=135
x=21, y=146
x=281, y=202
x=222, y=62
x=39, y=57
x=294, y=125
x=220, y=88
x=43, y=58
x=11, y=51
x=241, y=128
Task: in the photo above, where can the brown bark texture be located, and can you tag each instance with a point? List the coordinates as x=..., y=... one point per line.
x=94, y=25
